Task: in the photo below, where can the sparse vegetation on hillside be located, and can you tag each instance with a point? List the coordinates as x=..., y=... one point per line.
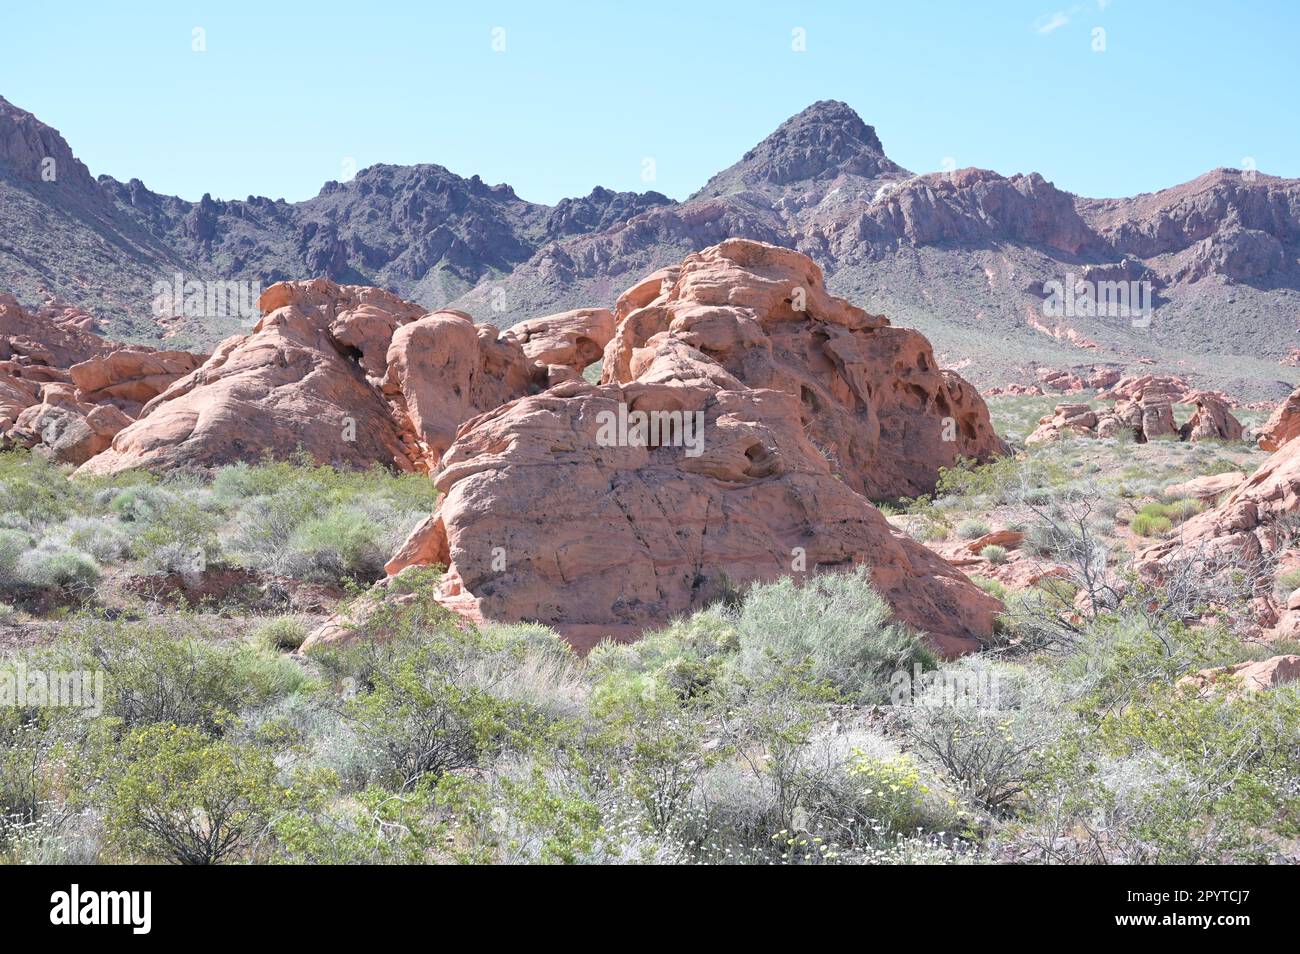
x=790, y=725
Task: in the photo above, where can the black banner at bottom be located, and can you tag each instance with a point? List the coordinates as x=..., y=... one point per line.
x=140, y=905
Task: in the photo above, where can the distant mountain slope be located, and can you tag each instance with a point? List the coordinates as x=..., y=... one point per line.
x=421, y=231
x=965, y=256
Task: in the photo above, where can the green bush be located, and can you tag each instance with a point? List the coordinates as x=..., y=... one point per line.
x=1288, y=582
x=281, y=633
x=1148, y=525
x=53, y=564
x=343, y=543
x=993, y=756
x=972, y=529
x=176, y=795
x=836, y=625
x=895, y=793
x=994, y=554
x=103, y=538
x=317, y=522
x=429, y=699
x=35, y=488
x=155, y=674
x=1174, y=777
x=13, y=544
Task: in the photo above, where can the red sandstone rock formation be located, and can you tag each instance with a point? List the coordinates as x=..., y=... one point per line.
x=350, y=375
x=66, y=391
x=1211, y=420
x=1078, y=419
x=1246, y=677
x=1283, y=424
x=1211, y=487
x=548, y=516
x=873, y=398
x=1133, y=387
x=1149, y=415
x=561, y=346
x=1242, y=534
x=540, y=520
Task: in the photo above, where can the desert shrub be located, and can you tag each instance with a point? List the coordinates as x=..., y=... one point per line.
x=426, y=703
x=650, y=745
x=319, y=523
x=173, y=528
x=35, y=488
x=342, y=543
x=373, y=826
x=540, y=670
x=155, y=675
x=1288, y=582
x=8, y=613
x=989, y=754
x=1047, y=539
x=177, y=795
x=521, y=817
x=24, y=742
x=142, y=503
x=1176, y=511
x=54, y=564
x=1121, y=656
x=992, y=587
x=894, y=792
x=104, y=539
x=994, y=554
x=13, y=544
x=929, y=532
x=1173, y=778
x=999, y=481
x=281, y=633
x=1183, y=509
x=1148, y=525
x=687, y=656
x=769, y=722
x=836, y=624
x=972, y=529
x=44, y=752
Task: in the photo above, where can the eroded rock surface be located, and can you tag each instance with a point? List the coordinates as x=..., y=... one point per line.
x=1283, y=424
x=777, y=405
x=541, y=521
x=350, y=375
x=64, y=390
x=872, y=397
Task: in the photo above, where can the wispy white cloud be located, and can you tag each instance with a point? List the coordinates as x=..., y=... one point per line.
x=1054, y=21
x=1051, y=21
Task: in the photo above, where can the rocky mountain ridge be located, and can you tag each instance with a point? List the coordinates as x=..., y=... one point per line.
x=964, y=255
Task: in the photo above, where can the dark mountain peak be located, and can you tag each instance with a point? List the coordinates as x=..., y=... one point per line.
x=826, y=140
x=601, y=209
x=829, y=116
x=31, y=150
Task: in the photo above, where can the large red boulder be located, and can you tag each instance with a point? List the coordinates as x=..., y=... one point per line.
x=348, y=374
x=872, y=397
x=1282, y=425
x=731, y=440
x=542, y=519
x=64, y=390
x=561, y=346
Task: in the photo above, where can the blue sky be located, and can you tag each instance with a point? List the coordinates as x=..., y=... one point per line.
x=289, y=95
